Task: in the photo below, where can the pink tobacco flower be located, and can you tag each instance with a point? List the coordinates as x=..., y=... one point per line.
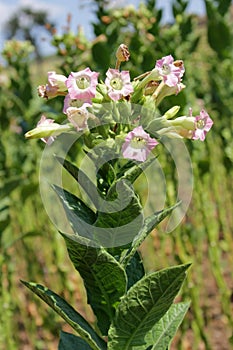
x=82, y=85
x=69, y=102
x=57, y=80
x=138, y=144
x=171, y=71
x=203, y=124
x=56, y=86
x=78, y=116
x=118, y=84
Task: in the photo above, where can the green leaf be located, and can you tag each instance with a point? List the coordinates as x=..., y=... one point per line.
x=103, y=276
x=3, y=225
x=134, y=171
x=4, y=214
x=163, y=332
x=105, y=177
x=134, y=270
x=10, y=185
x=79, y=215
x=82, y=179
x=223, y=6
x=69, y=314
x=120, y=216
x=149, y=224
x=101, y=53
x=219, y=36
x=70, y=342
x=143, y=306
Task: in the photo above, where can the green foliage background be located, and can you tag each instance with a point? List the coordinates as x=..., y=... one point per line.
x=31, y=249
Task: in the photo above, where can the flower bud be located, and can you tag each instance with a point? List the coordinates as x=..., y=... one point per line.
x=163, y=91
x=46, y=131
x=57, y=80
x=178, y=63
x=47, y=128
x=175, y=132
x=122, y=53
x=172, y=112
x=46, y=91
x=187, y=123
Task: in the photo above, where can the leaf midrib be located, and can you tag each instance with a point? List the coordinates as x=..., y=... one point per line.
x=149, y=313
x=169, y=324
x=100, y=285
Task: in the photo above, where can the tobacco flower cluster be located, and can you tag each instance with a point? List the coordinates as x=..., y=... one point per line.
x=85, y=96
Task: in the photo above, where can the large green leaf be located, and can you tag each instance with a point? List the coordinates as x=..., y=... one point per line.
x=79, y=215
x=70, y=342
x=163, y=332
x=143, y=306
x=149, y=224
x=69, y=314
x=120, y=216
x=84, y=181
x=103, y=276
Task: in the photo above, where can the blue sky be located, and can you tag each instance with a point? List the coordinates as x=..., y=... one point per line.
x=81, y=10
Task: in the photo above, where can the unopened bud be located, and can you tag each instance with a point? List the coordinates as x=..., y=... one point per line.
x=175, y=132
x=48, y=91
x=57, y=80
x=187, y=123
x=45, y=131
x=172, y=112
x=122, y=53
x=178, y=63
x=45, y=91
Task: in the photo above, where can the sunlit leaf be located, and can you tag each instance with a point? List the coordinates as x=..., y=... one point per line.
x=120, y=215
x=83, y=180
x=143, y=306
x=80, y=216
x=103, y=276
x=163, y=332
x=149, y=224
x=69, y=314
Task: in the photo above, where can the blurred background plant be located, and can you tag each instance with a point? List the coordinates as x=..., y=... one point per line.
x=30, y=247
